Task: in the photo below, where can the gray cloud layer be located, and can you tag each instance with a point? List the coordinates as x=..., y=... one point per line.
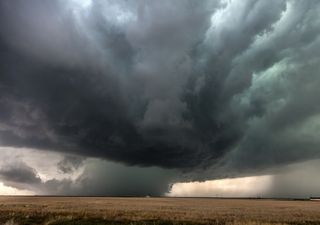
x=231, y=87
x=49, y=173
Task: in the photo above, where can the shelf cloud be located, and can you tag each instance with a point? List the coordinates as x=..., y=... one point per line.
x=209, y=88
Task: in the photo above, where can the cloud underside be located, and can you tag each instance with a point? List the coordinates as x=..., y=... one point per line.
x=30, y=172
x=228, y=87
x=38, y=172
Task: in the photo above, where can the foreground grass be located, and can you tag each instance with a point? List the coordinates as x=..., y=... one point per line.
x=155, y=211
x=20, y=219
x=58, y=220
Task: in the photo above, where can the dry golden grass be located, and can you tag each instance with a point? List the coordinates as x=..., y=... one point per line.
x=100, y=210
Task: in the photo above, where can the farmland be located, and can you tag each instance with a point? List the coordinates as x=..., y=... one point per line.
x=134, y=211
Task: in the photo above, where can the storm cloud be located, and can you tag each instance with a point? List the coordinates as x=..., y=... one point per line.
x=51, y=173
x=226, y=87
x=20, y=173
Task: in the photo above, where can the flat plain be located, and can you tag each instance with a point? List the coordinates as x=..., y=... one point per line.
x=155, y=211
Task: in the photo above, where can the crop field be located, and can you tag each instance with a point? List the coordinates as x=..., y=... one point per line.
x=155, y=211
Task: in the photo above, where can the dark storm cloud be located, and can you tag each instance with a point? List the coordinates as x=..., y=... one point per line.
x=19, y=175
x=73, y=175
x=227, y=86
x=106, y=178
x=70, y=163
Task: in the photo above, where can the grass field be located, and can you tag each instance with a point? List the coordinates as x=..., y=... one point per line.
x=155, y=211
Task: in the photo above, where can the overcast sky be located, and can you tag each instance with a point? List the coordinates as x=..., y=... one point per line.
x=115, y=97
